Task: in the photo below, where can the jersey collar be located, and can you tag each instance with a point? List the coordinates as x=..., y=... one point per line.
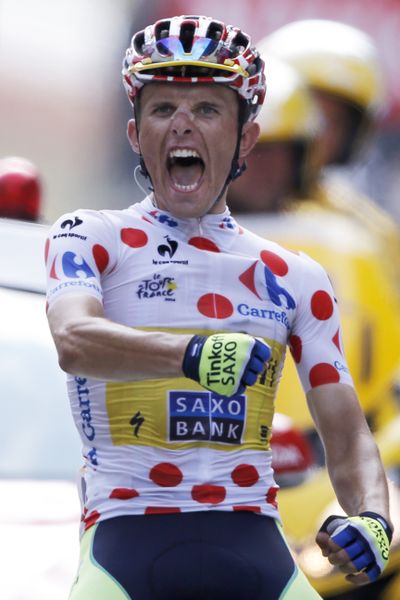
x=221, y=228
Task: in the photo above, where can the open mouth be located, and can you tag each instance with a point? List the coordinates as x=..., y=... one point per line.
x=186, y=169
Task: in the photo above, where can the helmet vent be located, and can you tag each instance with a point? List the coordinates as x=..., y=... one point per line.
x=238, y=45
x=255, y=67
x=215, y=31
x=186, y=36
x=161, y=30
x=138, y=42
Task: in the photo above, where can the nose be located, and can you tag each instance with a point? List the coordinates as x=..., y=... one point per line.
x=182, y=123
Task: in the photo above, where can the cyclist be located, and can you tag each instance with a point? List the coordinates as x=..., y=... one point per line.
x=172, y=323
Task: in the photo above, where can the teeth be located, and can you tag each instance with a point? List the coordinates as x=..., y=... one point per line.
x=186, y=188
x=183, y=153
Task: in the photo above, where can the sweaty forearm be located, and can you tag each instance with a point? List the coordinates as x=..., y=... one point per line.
x=358, y=476
x=352, y=456
x=96, y=347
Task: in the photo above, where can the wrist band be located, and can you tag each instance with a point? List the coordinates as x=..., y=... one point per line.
x=382, y=521
x=191, y=359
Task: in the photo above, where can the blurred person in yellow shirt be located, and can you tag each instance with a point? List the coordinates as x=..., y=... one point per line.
x=341, y=66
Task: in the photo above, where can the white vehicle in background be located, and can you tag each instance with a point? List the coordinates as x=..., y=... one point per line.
x=40, y=449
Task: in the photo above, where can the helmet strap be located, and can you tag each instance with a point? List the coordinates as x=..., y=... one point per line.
x=236, y=169
x=143, y=168
x=144, y=172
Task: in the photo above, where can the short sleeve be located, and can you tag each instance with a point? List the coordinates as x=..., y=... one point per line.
x=80, y=250
x=315, y=341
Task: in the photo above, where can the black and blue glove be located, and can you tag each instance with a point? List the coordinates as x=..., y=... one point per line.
x=366, y=540
x=225, y=363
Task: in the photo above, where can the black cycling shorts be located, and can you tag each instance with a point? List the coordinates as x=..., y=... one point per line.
x=206, y=555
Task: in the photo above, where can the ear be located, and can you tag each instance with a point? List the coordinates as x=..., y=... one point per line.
x=132, y=134
x=250, y=133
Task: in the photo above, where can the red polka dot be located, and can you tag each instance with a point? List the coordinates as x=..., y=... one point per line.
x=255, y=509
x=215, y=306
x=321, y=305
x=134, y=238
x=101, y=257
x=91, y=519
x=296, y=347
x=323, y=373
x=124, y=493
x=46, y=250
x=245, y=475
x=203, y=244
x=248, y=279
x=166, y=475
x=161, y=510
x=271, y=496
x=208, y=494
x=274, y=262
x=336, y=341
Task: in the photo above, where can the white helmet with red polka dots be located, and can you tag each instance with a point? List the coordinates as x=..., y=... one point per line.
x=196, y=49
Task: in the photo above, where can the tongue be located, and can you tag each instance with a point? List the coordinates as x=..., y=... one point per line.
x=188, y=175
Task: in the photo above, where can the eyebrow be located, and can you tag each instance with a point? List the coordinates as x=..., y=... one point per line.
x=215, y=103
x=196, y=103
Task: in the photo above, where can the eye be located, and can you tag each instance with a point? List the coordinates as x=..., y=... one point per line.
x=165, y=109
x=207, y=109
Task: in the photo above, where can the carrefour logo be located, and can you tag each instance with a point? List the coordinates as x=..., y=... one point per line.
x=264, y=313
x=205, y=416
x=278, y=294
x=75, y=266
